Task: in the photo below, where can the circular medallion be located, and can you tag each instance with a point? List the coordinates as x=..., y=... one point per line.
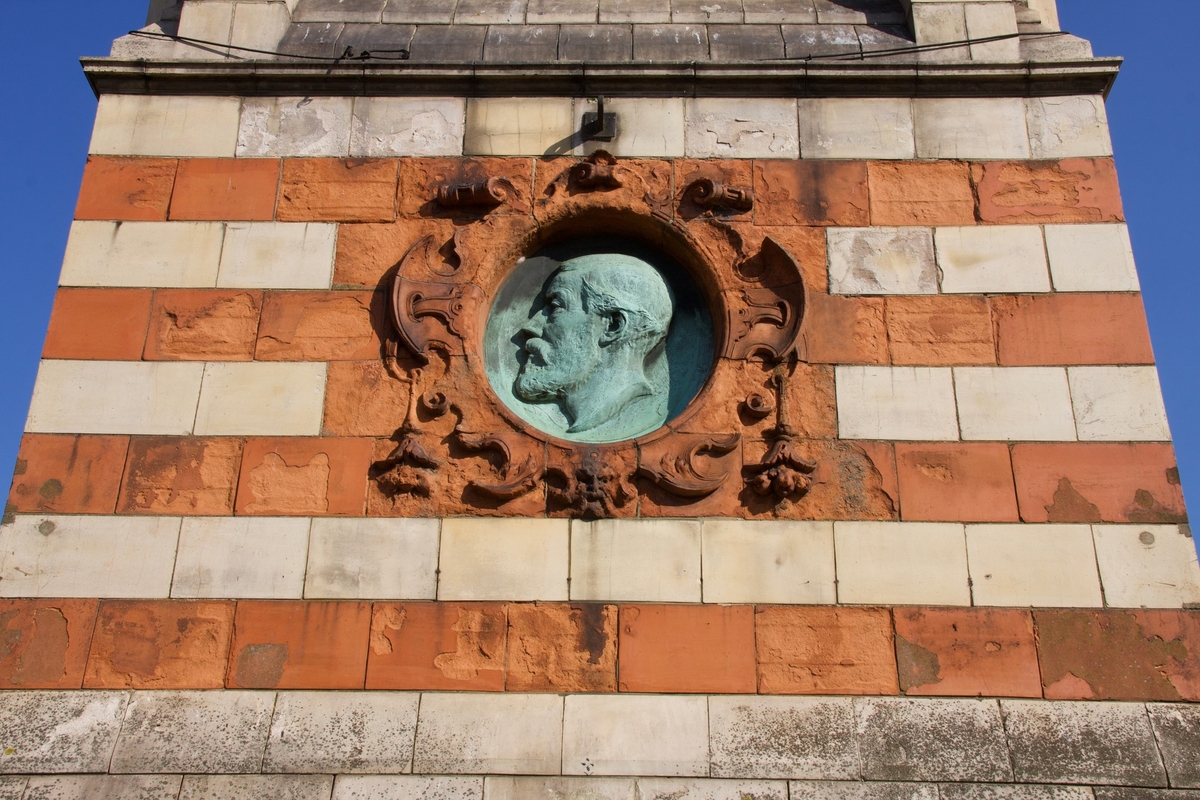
x=592, y=341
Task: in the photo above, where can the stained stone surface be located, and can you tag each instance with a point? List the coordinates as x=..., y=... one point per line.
x=49, y=732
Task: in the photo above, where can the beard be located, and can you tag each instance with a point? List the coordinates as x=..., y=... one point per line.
x=542, y=377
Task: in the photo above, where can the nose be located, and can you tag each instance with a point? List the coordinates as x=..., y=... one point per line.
x=533, y=328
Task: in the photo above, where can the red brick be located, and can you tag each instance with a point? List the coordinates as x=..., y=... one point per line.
x=105, y=324
x=362, y=399
x=967, y=482
x=338, y=190
x=436, y=646
x=804, y=650
x=420, y=179
x=44, y=643
x=1098, y=482
x=302, y=476
x=299, y=645
x=819, y=192
x=940, y=331
x=562, y=648
x=160, y=644
x=1054, y=329
x=687, y=648
x=1073, y=190
x=203, y=325
x=180, y=475
x=317, y=326
x=126, y=189
x=241, y=189
x=967, y=652
x=1119, y=655
x=844, y=330
x=68, y=474
x=921, y=193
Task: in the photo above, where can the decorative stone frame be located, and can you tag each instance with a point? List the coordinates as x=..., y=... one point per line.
x=441, y=294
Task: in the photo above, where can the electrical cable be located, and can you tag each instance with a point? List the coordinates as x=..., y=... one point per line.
x=347, y=55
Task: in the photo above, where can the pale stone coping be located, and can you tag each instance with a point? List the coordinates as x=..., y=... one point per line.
x=723, y=561
x=714, y=742
x=693, y=127
x=1013, y=404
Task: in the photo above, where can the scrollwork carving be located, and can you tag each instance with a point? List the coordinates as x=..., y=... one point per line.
x=783, y=473
x=409, y=468
x=432, y=316
x=520, y=468
x=709, y=193
x=487, y=193
x=674, y=463
x=599, y=171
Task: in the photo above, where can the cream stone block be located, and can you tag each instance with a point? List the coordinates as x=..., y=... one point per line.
x=561, y=788
x=363, y=732
x=140, y=397
x=881, y=261
x=59, y=731
x=504, y=559
x=1021, y=404
x=723, y=127
x=407, y=126
x=1118, y=404
x=1068, y=127
x=940, y=23
x=165, y=125
x=295, y=126
x=1091, y=258
x=210, y=21
x=1147, y=566
x=768, y=562
x=260, y=26
x=635, y=735
x=1033, y=565
x=257, y=787
x=166, y=254
x=854, y=127
x=907, y=403
x=278, y=255
x=518, y=126
x=67, y=556
x=709, y=789
x=992, y=259
x=497, y=734
x=261, y=399
x=241, y=557
x=646, y=127
x=636, y=560
x=367, y=559
x=109, y=787
x=988, y=19
x=970, y=127
x=901, y=563
x=407, y=787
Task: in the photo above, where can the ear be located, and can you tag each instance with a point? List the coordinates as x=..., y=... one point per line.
x=614, y=327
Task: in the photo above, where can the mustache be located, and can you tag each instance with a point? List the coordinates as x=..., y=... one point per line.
x=538, y=349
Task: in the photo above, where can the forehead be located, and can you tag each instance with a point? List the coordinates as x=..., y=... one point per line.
x=564, y=282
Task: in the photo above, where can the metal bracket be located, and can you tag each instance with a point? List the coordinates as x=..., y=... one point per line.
x=599, y=126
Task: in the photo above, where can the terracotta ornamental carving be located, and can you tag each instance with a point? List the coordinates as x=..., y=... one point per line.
x=602, y=351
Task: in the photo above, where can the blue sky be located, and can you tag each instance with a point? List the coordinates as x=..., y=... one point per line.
x=1154, y=112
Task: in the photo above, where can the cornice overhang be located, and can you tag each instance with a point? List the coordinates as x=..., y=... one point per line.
x=726, y=79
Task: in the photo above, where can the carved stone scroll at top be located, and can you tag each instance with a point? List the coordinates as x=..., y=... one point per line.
x=598, y=171
x=764, y=321
x=493, y=191
x=675, y=462
x=709, y=193
x=433, y=316
x=521, y=463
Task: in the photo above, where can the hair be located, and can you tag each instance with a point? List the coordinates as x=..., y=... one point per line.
x=615, y=282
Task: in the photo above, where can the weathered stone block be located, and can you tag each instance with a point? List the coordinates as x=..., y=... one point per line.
x=882, y=261
x=263, y=399
x=824, y=651
x=203, y=325
x=225, y=188
x=47, y=642
x=962, y=128
x=562, y=648
x=743, y=42
x=635, y=735
x=372, y=558
x=878, y=128
x=277, y=255
x=648, y=127
x=811, y=192
x=317, y=326
x=338, y=190
x=1000, y=791
x=12, y=787
x=260, y=26
x=186, y=476
x=861, y=790
x=363, y=399
x=915, y=193
x=969, y=482
x=951, y=740
x=992, y=259
x=1118, y=404
x=1152, y=566
x=159, y=125
x=971, y=652
x=709, y=789
x=1073, y=190
x=516, y=559
x=1090, y=742
x=256, y=787
x=110, y=787
x=102, y=324
x=768, y=562
x=635, y=11
x=498, y=126
x=1177, y=732
x=844, y=330
x=913, y=403
x=1091, y=258
x=521, y=44
x=67, y=474
x=444, y=44
x=59, y=556
x=198, y=732
x=402, y=126
x=728, y=128
x=501, y=734
x=126, y=188
x=544, y=12
x=241, y=557
x=498, y=788
x=777, y=11
x=1068, y=127
x=452, y=646
x=49, y=732
x=783, y=737
x=309, y=645
x=360, y=732
x=142, y=254
x=595, y=43
x=940, y=330
x=407, y=787
x=636, y=560
x=289, y=476
x=294, y=126
x=1014, y=403
x=697, y=649
x=1033, y=565
x=901, y=563
x=1072, y=329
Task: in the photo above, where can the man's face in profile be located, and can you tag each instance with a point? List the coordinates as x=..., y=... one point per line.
x=563, y=345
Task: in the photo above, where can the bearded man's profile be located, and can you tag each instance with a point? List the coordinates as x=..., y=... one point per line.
x=586, y=348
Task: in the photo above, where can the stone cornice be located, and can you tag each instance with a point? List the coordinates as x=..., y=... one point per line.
x=752, y=79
